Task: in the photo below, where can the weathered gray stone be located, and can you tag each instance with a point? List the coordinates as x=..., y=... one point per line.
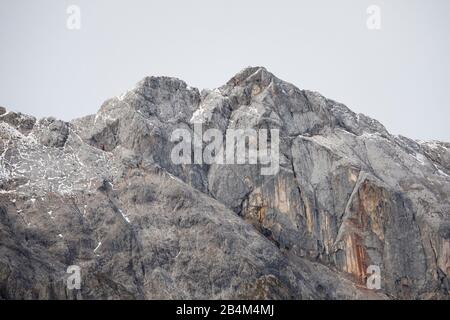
x=52, y=132
x=21, y=122
x=103, y=193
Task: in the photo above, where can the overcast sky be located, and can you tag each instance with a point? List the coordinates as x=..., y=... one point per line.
x=399, y=75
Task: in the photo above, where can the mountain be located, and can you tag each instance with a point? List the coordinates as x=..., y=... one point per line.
x=103, y=193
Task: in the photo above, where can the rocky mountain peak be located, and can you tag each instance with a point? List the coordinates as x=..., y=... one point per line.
x=103, y=193
x=251, y=75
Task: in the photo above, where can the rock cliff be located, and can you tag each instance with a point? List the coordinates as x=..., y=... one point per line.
x=101, y=192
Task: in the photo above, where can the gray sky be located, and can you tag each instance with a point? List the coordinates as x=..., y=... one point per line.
x=399, y=75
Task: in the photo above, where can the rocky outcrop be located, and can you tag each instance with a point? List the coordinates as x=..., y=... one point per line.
x=102, y=192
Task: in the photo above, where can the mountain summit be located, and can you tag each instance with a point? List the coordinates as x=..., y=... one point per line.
x=102, y=193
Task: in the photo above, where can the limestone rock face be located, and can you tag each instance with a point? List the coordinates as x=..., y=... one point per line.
x=103, y=193
x=53, y=132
